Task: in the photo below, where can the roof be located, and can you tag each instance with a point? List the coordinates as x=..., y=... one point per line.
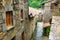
x=53, y=1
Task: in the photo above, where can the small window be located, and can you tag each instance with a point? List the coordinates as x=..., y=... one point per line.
x=52, y=5
x=21, y=13
x=23, y=36
x=9, y=19
x=25, y=1
x=43, y=6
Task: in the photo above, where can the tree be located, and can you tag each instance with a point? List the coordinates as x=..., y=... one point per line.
x=36, y=3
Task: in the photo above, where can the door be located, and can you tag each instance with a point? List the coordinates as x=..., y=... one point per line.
x=9, y=18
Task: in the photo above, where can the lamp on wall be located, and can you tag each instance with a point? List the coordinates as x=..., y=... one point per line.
x=30, y=16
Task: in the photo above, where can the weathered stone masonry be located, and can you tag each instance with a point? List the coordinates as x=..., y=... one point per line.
x=18, y=27
x=50, y=8
x=14, y=21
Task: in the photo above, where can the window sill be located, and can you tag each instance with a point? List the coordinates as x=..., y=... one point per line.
x=9, y=27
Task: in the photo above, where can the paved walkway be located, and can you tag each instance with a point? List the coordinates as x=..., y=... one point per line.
x=37, y=35
x=45, y=38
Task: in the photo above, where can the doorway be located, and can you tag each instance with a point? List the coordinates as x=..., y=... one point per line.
x=23, y=36
x=9, y=18
x=14, y=38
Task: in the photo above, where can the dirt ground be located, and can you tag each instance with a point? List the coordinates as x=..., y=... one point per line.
x=45, y=38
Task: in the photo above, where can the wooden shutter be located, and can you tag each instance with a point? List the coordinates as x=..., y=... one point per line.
x=9, y=18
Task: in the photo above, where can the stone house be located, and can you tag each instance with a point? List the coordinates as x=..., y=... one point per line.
x=14, y=22
x=50, y=8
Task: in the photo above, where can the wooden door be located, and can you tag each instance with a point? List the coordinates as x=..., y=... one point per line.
x=9, y=18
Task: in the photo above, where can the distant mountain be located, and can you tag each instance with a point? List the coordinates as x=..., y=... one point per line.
x=36, y=3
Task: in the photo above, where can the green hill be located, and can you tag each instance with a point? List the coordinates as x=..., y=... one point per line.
x=36, y=3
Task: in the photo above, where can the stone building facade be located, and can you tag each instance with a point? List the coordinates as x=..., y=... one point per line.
x=13, y=19
x=46, y=10
x=50, y=8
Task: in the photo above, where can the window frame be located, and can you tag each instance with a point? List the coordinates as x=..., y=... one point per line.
x=10, y=27
x=21, y=13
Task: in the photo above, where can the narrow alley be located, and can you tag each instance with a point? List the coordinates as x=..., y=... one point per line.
x=38, y=32
x=29, y=19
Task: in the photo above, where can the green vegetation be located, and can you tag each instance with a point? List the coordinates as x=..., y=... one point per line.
x=46, y=31
x=36, y=3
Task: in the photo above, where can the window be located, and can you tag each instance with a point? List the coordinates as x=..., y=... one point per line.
x=25, y=1
x=21, y=14
x=52, y=5
x=23, y=36
x=9, y=19
x=42, y=6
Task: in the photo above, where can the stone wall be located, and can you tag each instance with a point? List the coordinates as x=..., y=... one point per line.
x=55, y=28
x=51, y=8
x=56, y=10
x=16, y=31
x=47, y=12
x=20, y=26
x=30, y=29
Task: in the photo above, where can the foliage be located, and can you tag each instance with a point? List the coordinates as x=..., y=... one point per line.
x=36, y=3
